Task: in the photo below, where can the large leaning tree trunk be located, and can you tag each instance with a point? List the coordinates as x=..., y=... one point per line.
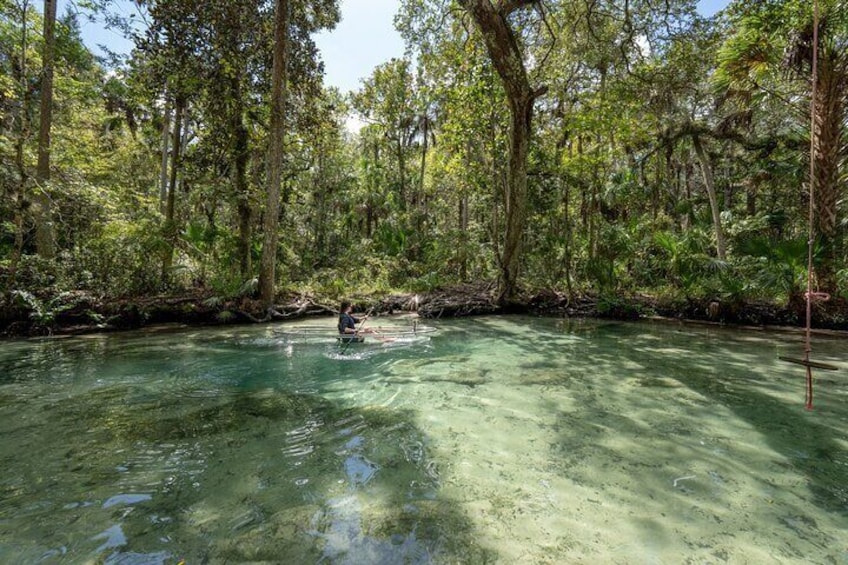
x=45, y=238
x=505, y=54
x=709, y=183
x=267, y=265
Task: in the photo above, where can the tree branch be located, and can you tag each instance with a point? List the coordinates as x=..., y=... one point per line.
x=690, y=129
x=540, y=7
x=506, y=7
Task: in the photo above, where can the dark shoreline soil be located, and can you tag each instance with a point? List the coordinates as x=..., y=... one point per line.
x=81, y=312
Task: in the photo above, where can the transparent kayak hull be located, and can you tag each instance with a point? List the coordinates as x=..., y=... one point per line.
x=379, y=333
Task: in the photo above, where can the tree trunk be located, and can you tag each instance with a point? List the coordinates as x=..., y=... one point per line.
x=516, y=203
x=371, y=224
x=267, y=267
x=183, y=147
x=418, y=197
x=244, y=217
x=163, y=170
x=707, y=171
x=20, y=146
x=170, y=231
x=830, y=115
x=44, y=233
x=568, y=240
x=498, y=182
x=240, y=156
x=463, y=229
x=751, y=198
x=508, y=61
x=688, y=218
x=401, y=173
x=319, y=201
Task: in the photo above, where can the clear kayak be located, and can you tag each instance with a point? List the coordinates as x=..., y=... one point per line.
x=378, y=333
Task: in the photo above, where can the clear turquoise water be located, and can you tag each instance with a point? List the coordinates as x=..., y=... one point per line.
x=498, y=440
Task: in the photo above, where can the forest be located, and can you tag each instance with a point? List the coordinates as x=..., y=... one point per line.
x=616, y=157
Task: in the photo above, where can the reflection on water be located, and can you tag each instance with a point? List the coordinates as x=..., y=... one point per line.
x=502, y=439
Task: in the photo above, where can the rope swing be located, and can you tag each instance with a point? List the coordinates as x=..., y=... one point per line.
x=810, y=295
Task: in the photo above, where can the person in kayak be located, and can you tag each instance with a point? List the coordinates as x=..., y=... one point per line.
x=347, y=321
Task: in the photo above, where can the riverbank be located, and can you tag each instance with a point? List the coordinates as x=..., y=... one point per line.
x=24, y=314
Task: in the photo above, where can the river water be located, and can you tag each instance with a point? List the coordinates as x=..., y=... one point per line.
x=493, y=440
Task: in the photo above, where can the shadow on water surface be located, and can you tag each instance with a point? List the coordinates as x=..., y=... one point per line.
x=120, y=474
x=660, y=453
x=805, y=439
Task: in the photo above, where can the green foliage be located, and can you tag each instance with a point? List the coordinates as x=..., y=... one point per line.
x=613, y=306
x=842, y=277
x=685, y=259
x=37, y=274
x=601, y=272
x=778, y=266
x=225, y=316
x=226, y=283
x=390, y=239
x=43, y=312
x=416, y=199
x=426, y=283
x=119, y=260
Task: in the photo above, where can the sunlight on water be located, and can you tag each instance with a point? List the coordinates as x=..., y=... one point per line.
x=499, y=439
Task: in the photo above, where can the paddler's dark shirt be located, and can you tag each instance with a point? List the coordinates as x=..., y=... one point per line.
x=347, y=321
